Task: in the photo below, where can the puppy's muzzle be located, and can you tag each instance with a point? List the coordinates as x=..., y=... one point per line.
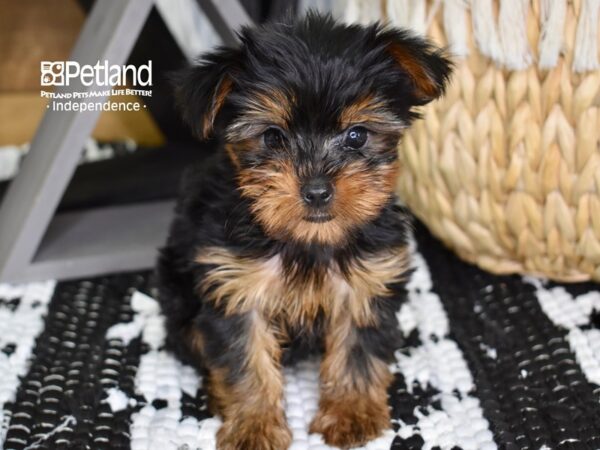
x=317, y=194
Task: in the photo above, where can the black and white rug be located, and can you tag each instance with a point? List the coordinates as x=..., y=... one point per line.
x=489, y=362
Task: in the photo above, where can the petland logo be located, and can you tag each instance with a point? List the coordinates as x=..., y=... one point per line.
x=62, y=73
x=107, y=87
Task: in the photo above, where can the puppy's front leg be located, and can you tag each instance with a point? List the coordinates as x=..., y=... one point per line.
x=353, y=406
x=245, y=382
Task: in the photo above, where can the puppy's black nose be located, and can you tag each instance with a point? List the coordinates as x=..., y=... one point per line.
x=317, y=192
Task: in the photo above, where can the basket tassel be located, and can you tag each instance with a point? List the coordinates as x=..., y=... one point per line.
x=552, y=18
x=586, y=44
x=398, y=12
x=356, y=11
x=484, y=29
x=513, y=34
x=408, y=14
x=455, y=26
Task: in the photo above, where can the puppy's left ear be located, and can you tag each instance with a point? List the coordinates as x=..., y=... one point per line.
x=201, y=90
x=427, y=66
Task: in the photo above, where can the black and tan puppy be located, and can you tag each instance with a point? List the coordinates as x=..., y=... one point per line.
x=290, y=241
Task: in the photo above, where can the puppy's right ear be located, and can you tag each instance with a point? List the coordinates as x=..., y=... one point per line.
x=427, y=66
x=201, y=90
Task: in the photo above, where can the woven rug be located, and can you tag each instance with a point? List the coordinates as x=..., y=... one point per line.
x=489, y=362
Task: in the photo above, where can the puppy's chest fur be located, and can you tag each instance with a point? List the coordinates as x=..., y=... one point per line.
x=241, y=284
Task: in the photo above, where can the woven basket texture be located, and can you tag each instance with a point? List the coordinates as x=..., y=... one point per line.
x=505, y=168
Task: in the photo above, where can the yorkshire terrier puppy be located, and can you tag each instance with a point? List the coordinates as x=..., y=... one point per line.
x=289, y=240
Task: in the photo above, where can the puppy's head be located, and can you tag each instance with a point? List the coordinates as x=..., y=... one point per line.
x=310, y=112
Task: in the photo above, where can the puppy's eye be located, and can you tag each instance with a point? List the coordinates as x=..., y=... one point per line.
x=274, y=138
x=356, y=137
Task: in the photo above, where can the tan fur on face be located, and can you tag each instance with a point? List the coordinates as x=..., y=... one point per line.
x=242, y=284
x=274, y=188
x=275, y=194
x=360, y=194
x=260, y=110
x=372, y=111
x=234, y=150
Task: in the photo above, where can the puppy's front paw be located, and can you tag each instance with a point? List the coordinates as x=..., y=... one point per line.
x=256, y=433
x=345, y=423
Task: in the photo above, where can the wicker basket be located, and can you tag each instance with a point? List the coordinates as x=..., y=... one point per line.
x=505, y=169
